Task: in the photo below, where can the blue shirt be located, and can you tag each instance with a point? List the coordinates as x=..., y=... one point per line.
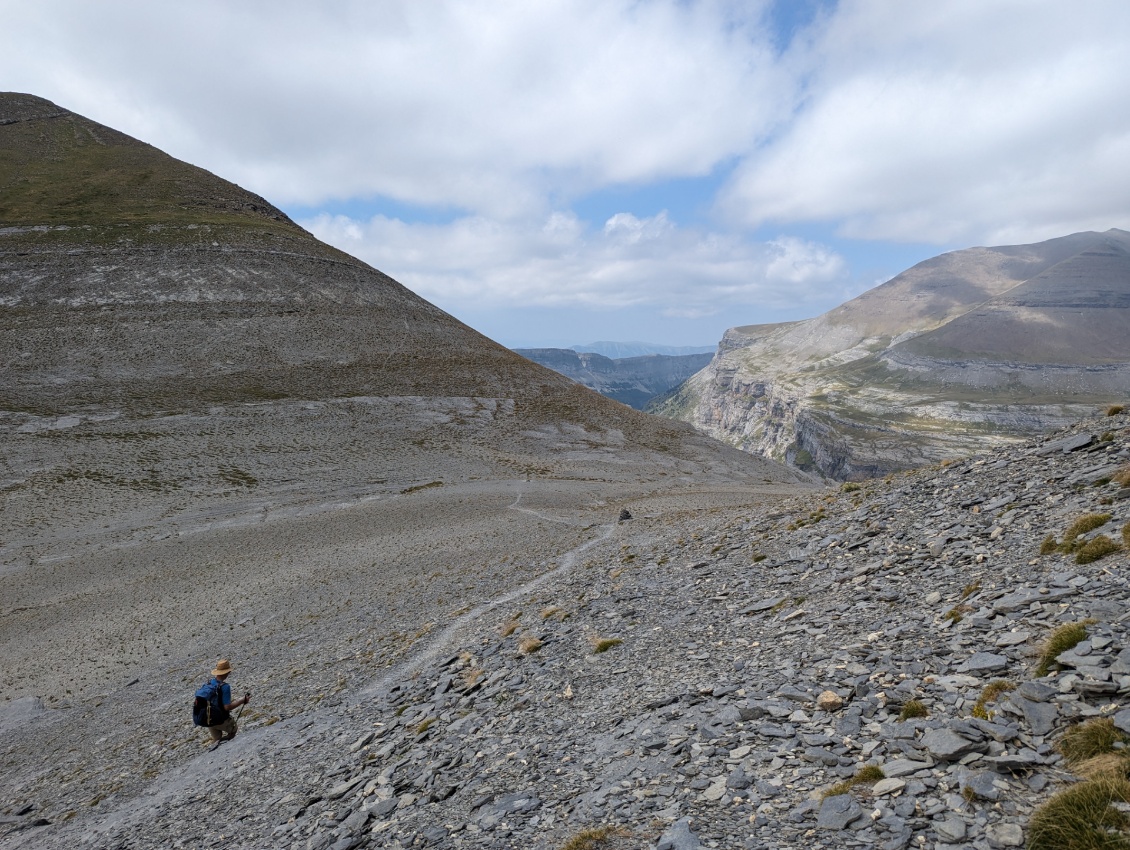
x=225, y=693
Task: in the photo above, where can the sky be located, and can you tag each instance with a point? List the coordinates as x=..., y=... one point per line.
x=565, y=171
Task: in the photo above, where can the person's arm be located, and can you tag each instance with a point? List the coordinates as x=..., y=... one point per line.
x=230, y=703
x=237, y=703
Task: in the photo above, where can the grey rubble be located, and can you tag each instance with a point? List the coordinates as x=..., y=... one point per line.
x=701, y=727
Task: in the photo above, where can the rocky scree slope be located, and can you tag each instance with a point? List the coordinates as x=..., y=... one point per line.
x=634, y=381
x=981, y=344
x=706, y=679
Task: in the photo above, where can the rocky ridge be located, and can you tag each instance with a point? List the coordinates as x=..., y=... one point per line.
x=981, y=344
x=701, y=679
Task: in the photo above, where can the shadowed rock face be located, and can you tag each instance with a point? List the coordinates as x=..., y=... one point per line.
x=969, y=348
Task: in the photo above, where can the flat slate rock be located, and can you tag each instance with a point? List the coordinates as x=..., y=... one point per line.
x=905, y=767
x=838, y=812
x=679, y=837
x=947, y=745
x=983, y=662
x=1122, y=720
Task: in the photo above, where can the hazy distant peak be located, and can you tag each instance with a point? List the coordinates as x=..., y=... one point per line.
x=620, y=350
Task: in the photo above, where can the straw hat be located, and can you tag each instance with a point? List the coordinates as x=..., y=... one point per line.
x=223, y=667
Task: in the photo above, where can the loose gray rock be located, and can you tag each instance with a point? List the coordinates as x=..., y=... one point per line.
x=679, y=837
x=983, y=662
x=950, y=830
x=838, y=811
x=947, y=745
x=1122, y=720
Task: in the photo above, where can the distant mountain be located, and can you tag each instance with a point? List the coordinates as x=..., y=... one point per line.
x=969, y=348
x=634, y=381
x=621, y=350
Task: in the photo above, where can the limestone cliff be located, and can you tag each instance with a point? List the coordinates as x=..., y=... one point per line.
x=967, y=350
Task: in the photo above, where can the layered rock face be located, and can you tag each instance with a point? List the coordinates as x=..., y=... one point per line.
x=133, y=284
x=972, y=348
x=634, y=381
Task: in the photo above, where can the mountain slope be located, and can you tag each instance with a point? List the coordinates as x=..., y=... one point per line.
x=210, y=418
x=984, y=344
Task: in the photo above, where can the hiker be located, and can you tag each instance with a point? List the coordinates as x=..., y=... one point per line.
x=226, y=729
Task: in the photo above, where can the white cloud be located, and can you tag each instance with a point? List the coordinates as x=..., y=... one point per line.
x=961, y=122
x=964, y=122
x=558, y=261
x=481, y=106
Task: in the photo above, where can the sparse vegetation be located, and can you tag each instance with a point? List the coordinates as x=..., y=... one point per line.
x=425, y=725
x=529, y=645
x=1121, y=477
x=957, y=613
x=970, y=589
x=1092, y=550
x=1059, y=641
x=472, y=676
x=850, y=487
x=1049, y=545
x=1085, y=523
x=912, y=709
x=1114, y=410
x=595, y=838
x=989, y=695
x=600, y=645
x=1083, y=818
x=1096, y=737
x=510, y=626
x=869, y=773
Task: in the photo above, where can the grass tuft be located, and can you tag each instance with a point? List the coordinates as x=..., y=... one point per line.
x=957, y=613
x=1114, y=410
x=869, y=773
x=1096, y=737
x=604, y=644
x=595, y=838
x=1085, y=523
x=913, y=708
x=989, y=695
x=1083, y=818
x=528, y=645
x=1049, y=545
x=1098, y=547
x=1059, y=641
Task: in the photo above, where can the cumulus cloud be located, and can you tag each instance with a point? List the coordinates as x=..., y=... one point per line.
x=960, y=123
x=559, y=261
x=486, y=107
x=965, y=122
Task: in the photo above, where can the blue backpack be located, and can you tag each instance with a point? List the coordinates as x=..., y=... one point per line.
x=208, y=705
